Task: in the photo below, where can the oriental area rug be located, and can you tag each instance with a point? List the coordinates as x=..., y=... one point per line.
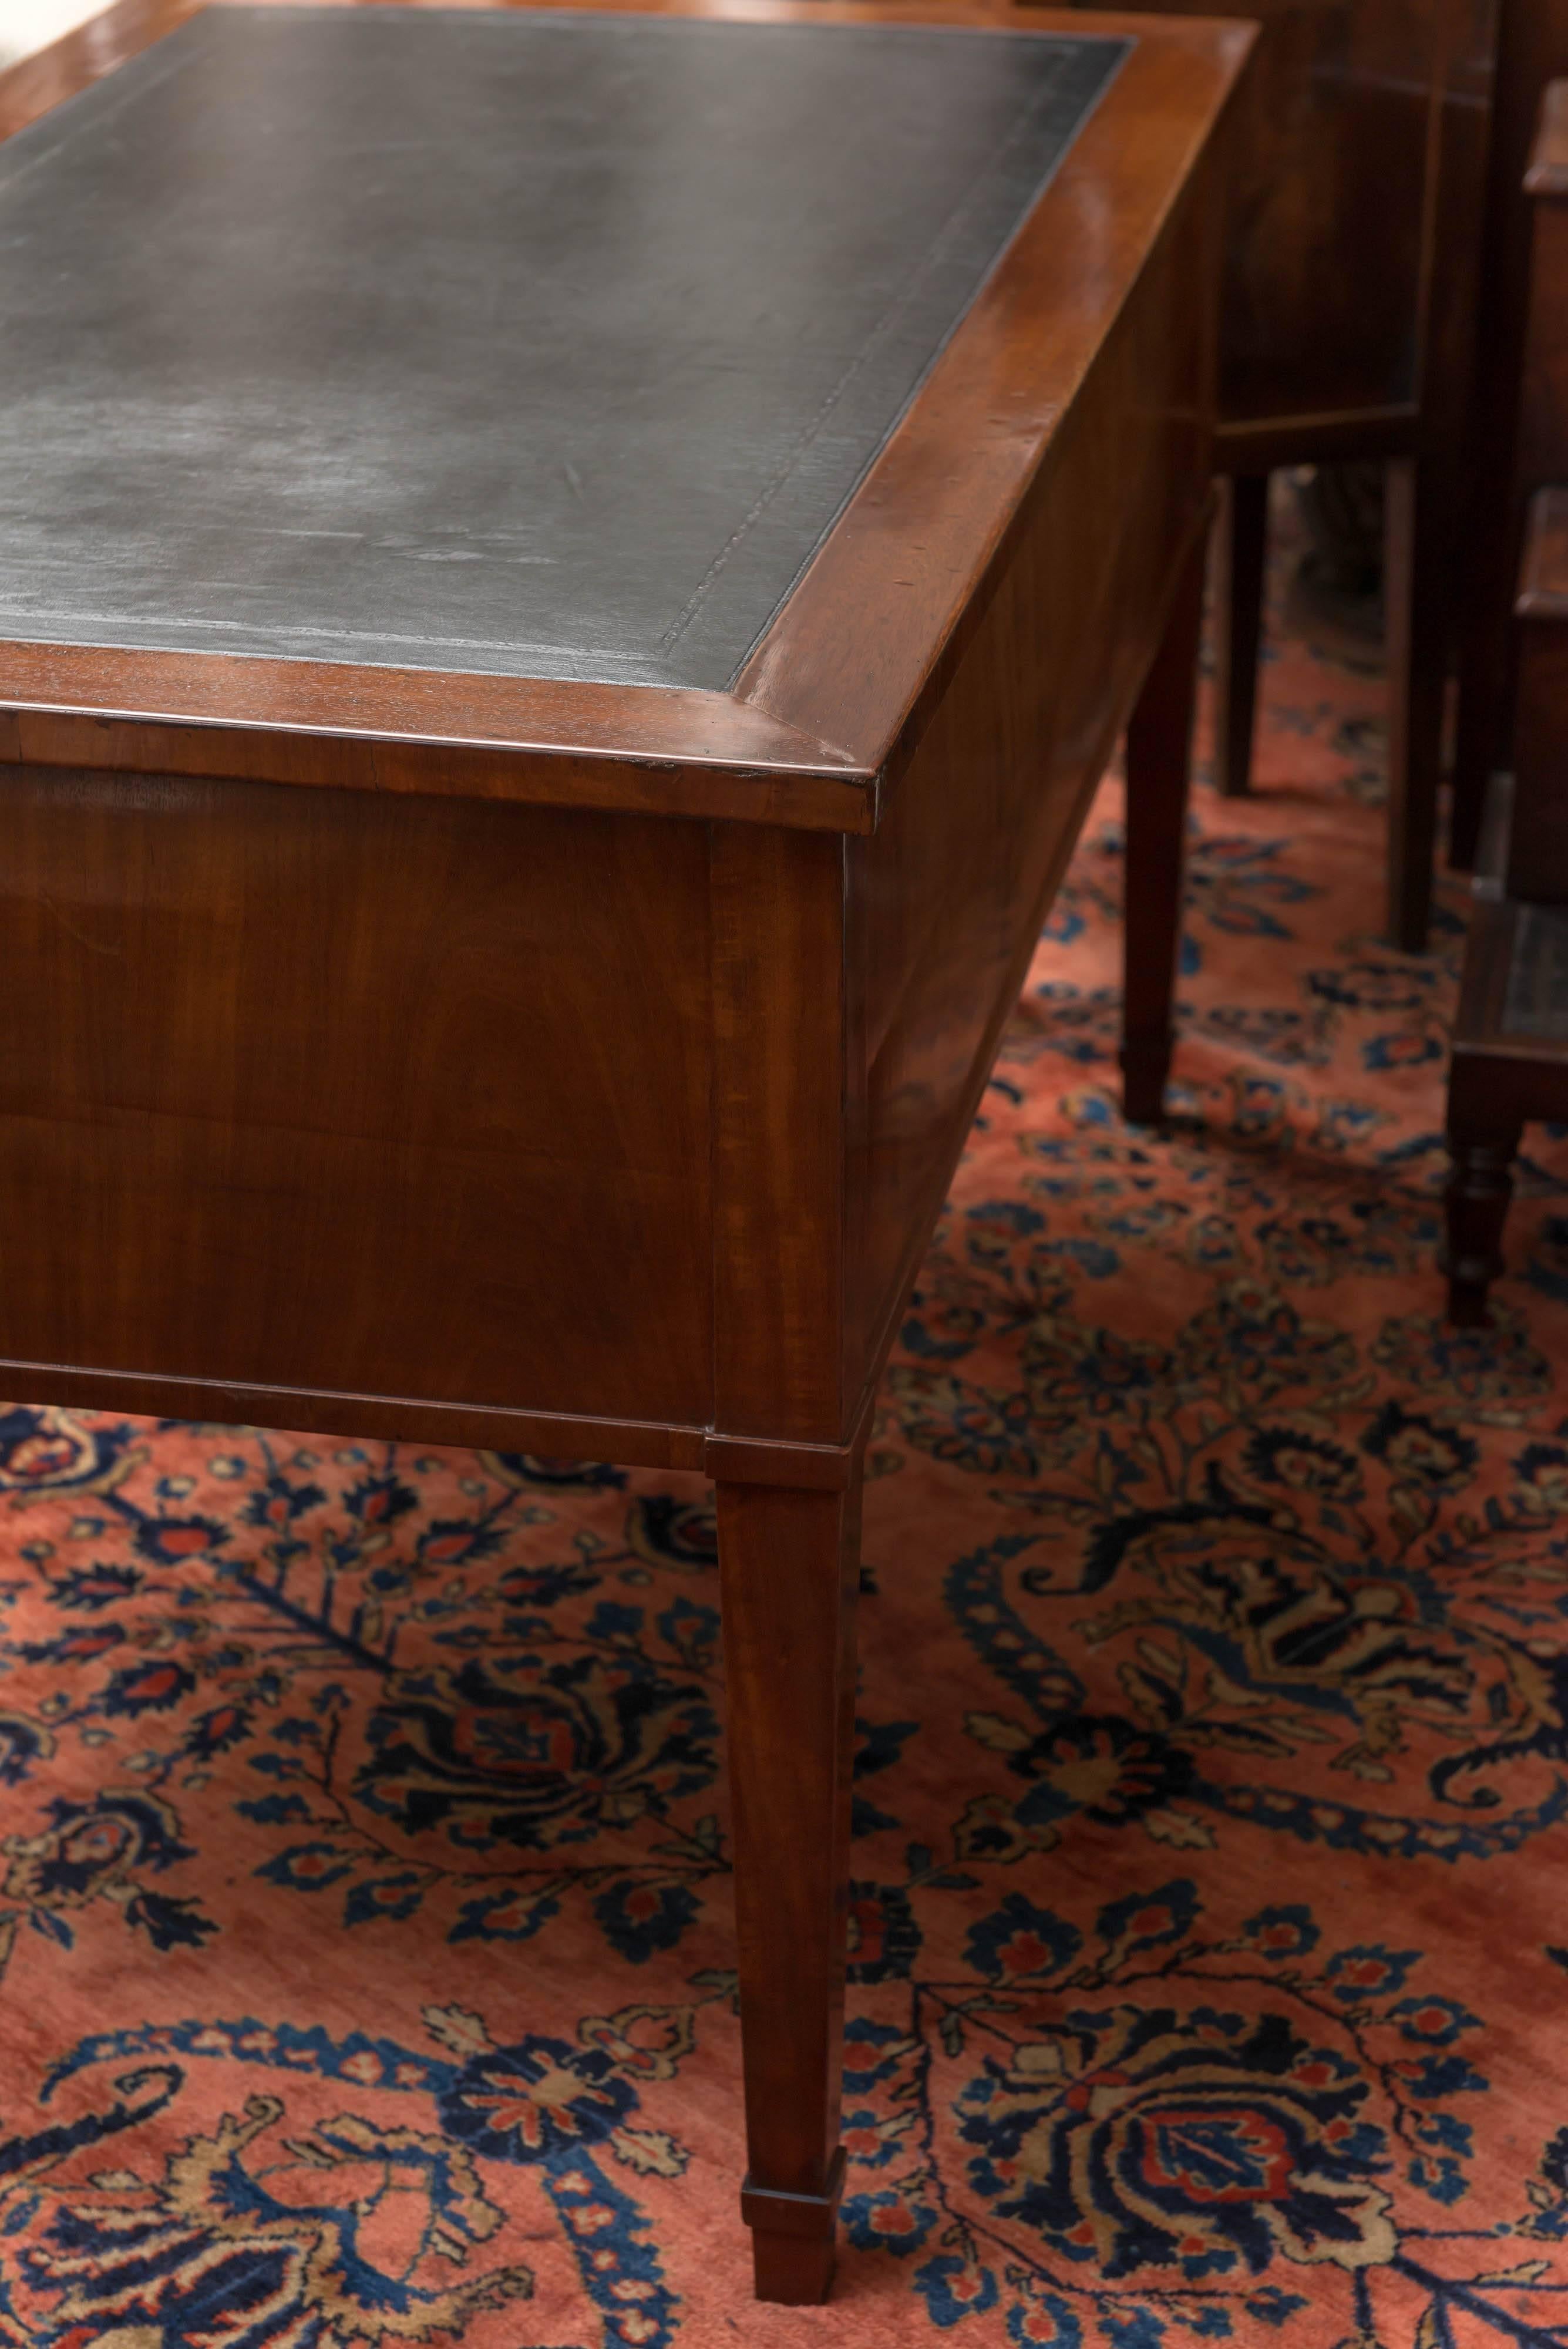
x=364, y=1885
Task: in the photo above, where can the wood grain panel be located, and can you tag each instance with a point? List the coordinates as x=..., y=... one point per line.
x=1328, y=262
x=779, y=1126
x=948, y=895
x=346, y=1093
x=1543, y=425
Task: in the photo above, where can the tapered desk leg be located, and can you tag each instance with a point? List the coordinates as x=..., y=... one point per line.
x=1159, y=768
x=1242, y=547
x=789, y=1565
x=1483, y=1146
x=1415, y=572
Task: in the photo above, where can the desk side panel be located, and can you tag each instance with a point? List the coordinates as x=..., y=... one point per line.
x=782, y=1108
x=391, y=1097
x=948, y=895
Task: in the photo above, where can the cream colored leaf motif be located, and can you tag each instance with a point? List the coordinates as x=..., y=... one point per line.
x=1220, y=1688
x=1166, y=1663
x=1148, y=1696
x=456, y=2028
x=1001, y=1736
x=653, y=2153
x=1179, y=1828
x=1252, y=1737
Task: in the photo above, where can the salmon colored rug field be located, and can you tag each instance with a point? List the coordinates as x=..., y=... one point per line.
x=364, y=1885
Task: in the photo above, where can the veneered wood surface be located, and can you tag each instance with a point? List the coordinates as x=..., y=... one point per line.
x=659, y=750
x=781, y=1088
x=1543, y=408
x=826, y=1022
x=947, y=895
x=784, y=1024
x=385, y=1096
x=1329, y=266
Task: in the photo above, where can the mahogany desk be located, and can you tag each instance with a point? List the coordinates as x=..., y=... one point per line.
x=567, y=580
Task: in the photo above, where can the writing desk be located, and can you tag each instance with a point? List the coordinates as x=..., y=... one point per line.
x=565, y=580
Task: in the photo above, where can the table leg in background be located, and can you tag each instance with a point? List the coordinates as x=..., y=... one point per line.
x=1241, y=589
x=1158, y=772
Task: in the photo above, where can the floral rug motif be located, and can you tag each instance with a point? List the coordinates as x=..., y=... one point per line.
x=364, y=1854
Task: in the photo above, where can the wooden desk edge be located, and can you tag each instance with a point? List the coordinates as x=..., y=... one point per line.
x=645, y=749
x=753, y=755
x=984, y=427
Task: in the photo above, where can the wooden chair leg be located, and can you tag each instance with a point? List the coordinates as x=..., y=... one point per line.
x=789, y=1565
x=1240, y=562
x=1480, y=1186
x=1415, y=569
x=1470, y=780
x=1159, y=769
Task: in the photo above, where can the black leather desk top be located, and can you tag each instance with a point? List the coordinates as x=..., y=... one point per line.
x=542, y=344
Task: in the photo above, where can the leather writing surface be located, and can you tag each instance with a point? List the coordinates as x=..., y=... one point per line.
x=539, y=344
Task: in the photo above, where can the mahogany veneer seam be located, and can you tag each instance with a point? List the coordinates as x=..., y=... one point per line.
x=740, y=1459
